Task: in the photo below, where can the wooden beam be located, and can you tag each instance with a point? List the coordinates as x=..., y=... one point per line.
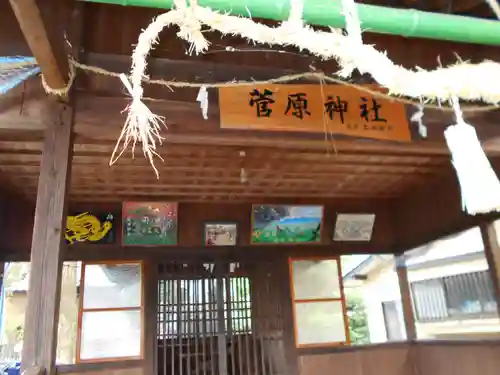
x=93, y=253
x=46, y=45
x=129, y=21
x=490, y=232
x=100, y=119
x=186, y=125
x=444, y=6
x=206, y=71
x=100, y=116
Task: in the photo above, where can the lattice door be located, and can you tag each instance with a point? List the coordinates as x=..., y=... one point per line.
x=218, y=319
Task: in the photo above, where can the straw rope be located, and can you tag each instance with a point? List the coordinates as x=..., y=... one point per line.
x=65, y=90
x=495, y=7
x=462, y=80
x=321, y=77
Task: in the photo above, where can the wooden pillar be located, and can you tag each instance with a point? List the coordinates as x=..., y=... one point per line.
x=42, y=312
x=406, y=301
x=490, y=232
x=150, y=280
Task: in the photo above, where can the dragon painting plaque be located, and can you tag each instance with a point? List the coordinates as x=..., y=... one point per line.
x=90, y=227
x=149, y=224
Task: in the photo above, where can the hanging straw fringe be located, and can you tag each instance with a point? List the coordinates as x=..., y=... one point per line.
x=479, y=185
x=142, y=125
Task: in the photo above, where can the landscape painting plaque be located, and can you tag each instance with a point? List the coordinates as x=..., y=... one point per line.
x=220, y=234
x=149, y=223
x=286, y=224
x=90, y=227
x=354, y=227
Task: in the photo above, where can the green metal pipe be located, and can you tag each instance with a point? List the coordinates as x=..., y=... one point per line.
x=375, y=19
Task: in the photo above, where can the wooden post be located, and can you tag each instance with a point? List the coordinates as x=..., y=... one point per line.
x=404, y=287
x=42, y=312
x=150, y=280
x=490, y=232
x=47, y=248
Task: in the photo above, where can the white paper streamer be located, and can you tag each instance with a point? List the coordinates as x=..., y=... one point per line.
x=418, y=118
x=202, y=98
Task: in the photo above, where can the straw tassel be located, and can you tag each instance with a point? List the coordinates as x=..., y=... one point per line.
x=479, y=185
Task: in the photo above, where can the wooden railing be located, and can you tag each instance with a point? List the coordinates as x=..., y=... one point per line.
x=34, y=370
x=406, y=358
x=410, y=358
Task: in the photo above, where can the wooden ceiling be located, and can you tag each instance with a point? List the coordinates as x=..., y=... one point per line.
x=224, y=173
x=202, y=162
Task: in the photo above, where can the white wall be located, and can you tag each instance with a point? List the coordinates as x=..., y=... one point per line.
x=381, y=287
x=384, y=286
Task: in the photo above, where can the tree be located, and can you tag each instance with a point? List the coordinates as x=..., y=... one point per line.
x=358, y=322
x=266, y=213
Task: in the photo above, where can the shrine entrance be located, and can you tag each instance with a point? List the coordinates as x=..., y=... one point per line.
x=219, y=318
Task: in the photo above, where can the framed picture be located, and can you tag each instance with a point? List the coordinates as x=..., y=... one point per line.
x=149, y=223
x=354, y=227
x=90, y=227
x=286, y=224
x=220, y=234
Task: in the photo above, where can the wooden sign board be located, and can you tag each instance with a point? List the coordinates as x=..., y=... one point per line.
x=149, y=224
x=334, y=109
x=90, y=227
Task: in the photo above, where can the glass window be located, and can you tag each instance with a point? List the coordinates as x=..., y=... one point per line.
x=319, y=305
x=110, y=334
x=313, y=279
x=320, y=322
x=110, y=312
x=467, y=295
x=112, y=286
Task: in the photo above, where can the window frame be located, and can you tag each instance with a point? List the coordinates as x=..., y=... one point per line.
x=418, y=307
x=450, y=316
x=340, y=299
x=82, y=310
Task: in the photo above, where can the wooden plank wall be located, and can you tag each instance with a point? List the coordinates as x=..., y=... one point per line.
x=16, y=219
x=391, y=359
x=429, y=358
x=192, y=217
x=458, y=358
